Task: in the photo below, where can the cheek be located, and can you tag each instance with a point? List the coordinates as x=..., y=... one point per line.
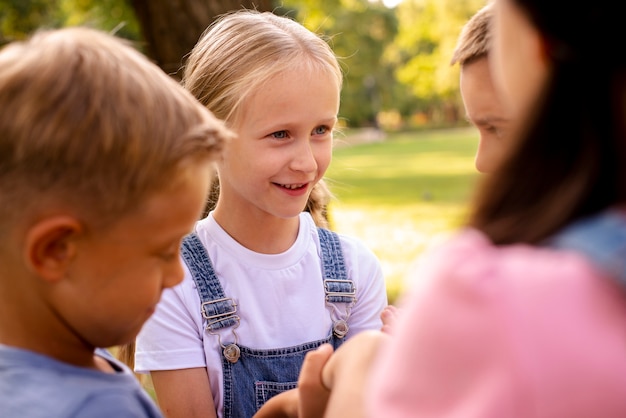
x=323, y=155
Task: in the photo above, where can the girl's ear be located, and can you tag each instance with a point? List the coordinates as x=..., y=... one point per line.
x=51, y=246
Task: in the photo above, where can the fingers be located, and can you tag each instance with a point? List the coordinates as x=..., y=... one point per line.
x=347, y=373
x=283, y=405
x=388, y=316
x=310, y=398
x=313, y=395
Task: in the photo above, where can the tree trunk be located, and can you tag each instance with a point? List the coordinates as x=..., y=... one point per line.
x=171, y=28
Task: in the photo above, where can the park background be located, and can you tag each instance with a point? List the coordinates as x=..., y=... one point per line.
x=402, y=171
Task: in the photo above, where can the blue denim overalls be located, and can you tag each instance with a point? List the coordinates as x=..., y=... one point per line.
x=252, y=376
x=601, y=238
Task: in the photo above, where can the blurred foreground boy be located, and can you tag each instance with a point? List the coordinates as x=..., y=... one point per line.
x=104, y=167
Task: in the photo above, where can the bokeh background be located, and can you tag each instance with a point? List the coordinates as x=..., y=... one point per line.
x=403, y=171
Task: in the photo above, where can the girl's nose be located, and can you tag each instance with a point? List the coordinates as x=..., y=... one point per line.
x=304, y=158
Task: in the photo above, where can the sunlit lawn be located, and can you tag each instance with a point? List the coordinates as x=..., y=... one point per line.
x=402, y=194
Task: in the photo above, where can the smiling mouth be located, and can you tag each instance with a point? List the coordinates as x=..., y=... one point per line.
x=293, y=186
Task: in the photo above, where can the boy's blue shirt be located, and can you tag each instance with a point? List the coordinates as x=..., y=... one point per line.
x=33, y=386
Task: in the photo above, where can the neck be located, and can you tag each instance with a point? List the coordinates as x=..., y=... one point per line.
x=260, y=232
x=34, y=325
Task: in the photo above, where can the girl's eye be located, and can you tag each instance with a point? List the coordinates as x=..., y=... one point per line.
x=320, y=130
x=279, y=134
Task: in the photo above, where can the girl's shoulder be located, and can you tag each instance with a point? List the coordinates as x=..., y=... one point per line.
x=512, y=280
x=506, y=330
x=352, y=247
x=354, y=250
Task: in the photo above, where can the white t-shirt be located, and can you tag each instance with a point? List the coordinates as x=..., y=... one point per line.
x=280, y=300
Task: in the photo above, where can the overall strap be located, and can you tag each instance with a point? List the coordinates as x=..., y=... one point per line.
x=337, y=287
x=218, y=310
x=601, y=238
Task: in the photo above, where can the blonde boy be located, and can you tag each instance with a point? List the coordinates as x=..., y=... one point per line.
x=483, y=106
x=105, y=164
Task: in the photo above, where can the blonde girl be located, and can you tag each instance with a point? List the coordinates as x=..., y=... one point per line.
x=263, y=285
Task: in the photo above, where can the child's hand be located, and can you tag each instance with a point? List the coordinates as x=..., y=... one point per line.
x=388, y=316
x=309, y=399
x=347, y=372
x=313, y=393
x=283, y=405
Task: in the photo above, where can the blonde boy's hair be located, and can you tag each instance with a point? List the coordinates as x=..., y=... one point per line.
x=89, y=122
x=475, y=39
x=241, y=50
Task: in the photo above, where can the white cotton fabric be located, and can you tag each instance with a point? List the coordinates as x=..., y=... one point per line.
x=280, y=300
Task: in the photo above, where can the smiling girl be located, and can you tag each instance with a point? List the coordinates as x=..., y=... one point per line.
x=263, y=284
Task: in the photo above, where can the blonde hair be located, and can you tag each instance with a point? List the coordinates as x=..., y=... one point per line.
x=475, y=39
x=238, y=53
x=241, y=50
x=88, y=121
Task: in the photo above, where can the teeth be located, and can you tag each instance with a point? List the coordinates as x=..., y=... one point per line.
x=292, y=186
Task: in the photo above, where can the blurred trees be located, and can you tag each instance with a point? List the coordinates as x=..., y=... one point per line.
x=172, y=28
x=395, y=61
x=421, y=53
x=359, y=31
x=18, y=18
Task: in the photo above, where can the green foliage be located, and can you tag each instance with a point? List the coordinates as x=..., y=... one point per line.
x=427, y=34
x=20, y=18
x=395, y=61
x=110, y=15
x=359, y=32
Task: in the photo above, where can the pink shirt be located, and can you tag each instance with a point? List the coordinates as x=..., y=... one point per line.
x=497, y=332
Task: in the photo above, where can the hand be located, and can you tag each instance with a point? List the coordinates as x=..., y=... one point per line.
x=389, y=315
x=309, y=399
x=347, y=373
x=313, y=394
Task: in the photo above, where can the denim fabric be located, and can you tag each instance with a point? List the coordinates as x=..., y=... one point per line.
x=261, y=374
x=257, y=375
x=601, y=238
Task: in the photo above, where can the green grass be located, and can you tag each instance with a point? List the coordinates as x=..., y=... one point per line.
x=401, y=195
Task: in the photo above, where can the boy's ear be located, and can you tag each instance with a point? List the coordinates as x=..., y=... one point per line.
x=51, y=246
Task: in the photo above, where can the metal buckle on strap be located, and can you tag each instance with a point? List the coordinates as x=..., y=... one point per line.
x=337, y=288
x=226, y=318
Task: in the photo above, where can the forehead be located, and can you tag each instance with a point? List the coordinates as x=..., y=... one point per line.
x=293, y=90
x=169, y=211
x=477, y=89
x=287, y=82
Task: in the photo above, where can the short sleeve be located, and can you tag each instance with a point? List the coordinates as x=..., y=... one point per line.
x=366, y=271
